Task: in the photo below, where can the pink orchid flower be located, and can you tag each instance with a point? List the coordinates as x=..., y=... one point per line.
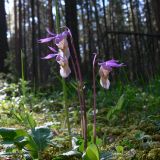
x=105, y=69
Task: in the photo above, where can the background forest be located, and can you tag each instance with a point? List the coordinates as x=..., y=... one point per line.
x=44, y=110
x=124, y=29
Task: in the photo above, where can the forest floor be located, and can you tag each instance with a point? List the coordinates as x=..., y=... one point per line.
x=128, y=120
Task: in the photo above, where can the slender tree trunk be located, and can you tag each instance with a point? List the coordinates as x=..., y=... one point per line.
x=50, y=16
x=155, y=6
x=98, y=29
x=149, y=46
x=106, y=47
x=3, y=36
x=24, y=38
x=136, y=39
x=84, y=36
x=39, y=46
x=20, y=43
x=34, y=61
x=89, y=38
x=72, y=22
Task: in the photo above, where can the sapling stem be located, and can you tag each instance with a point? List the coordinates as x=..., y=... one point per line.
x=23, y=78
x=94, y=100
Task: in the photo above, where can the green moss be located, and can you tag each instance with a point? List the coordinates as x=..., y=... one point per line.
x=154, y=154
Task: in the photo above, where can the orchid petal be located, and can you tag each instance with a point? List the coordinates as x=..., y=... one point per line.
x=45, y=40
x=49, y=56
x=67, y=30
x=111, y=64
x=52, y=49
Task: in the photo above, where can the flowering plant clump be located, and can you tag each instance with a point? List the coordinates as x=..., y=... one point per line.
x=63, y=53
x=62, y=56
x=105, y=69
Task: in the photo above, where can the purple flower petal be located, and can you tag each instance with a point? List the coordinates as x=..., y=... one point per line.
x=45, y=40
x=60, y=58
x=61, y=36
x=111, y=64
x=49, y=56
x=67, y=31
x=52, y=49
x=113, y=60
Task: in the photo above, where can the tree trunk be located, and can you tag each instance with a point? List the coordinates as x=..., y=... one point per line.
x=50, y=16
x=19, y=38
x=34, y=61
x=3, y=36
x=155, y=6
x=136, y=40
x=71, y=22
x=39, y=45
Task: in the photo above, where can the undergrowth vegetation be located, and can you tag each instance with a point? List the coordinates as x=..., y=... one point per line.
x=128, y=122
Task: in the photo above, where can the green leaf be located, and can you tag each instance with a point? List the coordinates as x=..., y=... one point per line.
x=92, y=153
x=30, y=120
x=114, y=111
x=34, y=142
x=9, y=135
x=41, y=136
x=98, y=140
x=17, y=137
x=21, y=142
x=32, y=147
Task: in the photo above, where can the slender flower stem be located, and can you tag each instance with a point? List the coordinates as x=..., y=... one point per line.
x=81, y=85
x=94, y=100
x=63, y=81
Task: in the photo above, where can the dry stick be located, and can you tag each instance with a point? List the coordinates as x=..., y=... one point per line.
x=94, y=101
x=82, y=95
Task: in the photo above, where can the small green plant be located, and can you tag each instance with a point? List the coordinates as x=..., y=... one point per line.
x=113, y=112
x=32, y=142
x=92, y=153
x=120, y=149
